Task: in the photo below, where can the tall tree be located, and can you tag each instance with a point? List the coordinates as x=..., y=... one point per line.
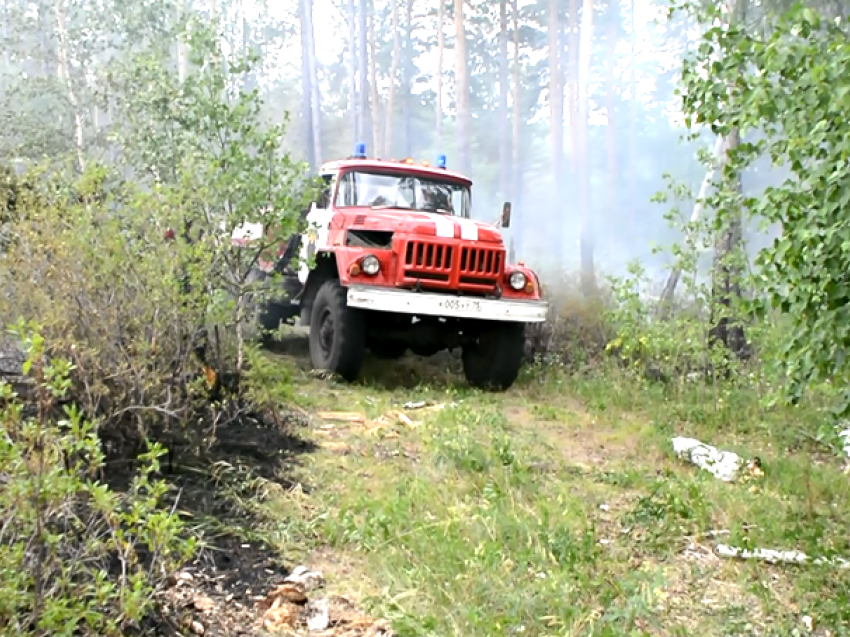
x=65, y=73
x=613, y=20
x=572, y=82
x=441, y=48
x=373, y=85
x=586, y=248
x=310, y=97
x=353, y=103
x=556, y=105
x=390, y=117
x=516, y=167
x=464, y=117
x=504, y=123
x=363, y=73
x=728, y=269
x=408, y=69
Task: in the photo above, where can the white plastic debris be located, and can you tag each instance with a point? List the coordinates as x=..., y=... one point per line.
x=772, y=556
x=844, y=435
x=723, y=465
x=309, y=580
x=318, y=615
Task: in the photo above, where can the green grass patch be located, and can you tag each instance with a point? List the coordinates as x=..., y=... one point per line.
x=558, y=508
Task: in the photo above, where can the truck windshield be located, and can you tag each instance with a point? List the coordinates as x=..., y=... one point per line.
x=407, y=192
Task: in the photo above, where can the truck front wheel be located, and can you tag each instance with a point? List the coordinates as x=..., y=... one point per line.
x=337, y=332
x=493, y=361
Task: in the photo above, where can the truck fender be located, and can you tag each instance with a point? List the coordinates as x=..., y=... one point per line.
x=326, y=268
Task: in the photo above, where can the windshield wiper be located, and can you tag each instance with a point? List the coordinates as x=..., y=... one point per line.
x=384, y=206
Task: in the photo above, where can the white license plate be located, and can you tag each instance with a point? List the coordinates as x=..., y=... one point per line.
x=461, y=305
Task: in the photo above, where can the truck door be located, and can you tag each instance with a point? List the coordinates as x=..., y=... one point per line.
x=315, y=237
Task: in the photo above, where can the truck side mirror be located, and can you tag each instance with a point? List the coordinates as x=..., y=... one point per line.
x=506, y=215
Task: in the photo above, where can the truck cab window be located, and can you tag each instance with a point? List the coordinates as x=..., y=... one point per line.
x=324, y=200
x=402, y=192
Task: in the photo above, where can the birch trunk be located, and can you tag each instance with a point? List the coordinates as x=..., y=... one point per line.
x=65, y=73
x=699, y=207
x=728, y=269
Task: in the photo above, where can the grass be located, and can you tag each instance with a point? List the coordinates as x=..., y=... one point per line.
x=558, y=508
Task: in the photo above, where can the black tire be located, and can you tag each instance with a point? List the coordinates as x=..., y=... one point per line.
x=493, y=362
x=388, y=350
x=337, y=332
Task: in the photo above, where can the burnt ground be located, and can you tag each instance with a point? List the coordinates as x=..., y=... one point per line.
x=228, y=588
x=217, y=593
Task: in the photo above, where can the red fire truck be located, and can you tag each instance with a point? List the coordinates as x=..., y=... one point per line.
x=399, y=265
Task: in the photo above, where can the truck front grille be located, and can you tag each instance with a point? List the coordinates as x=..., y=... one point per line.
x=480, y=262
x=465, y=268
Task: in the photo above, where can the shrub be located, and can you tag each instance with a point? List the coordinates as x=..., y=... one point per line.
x=75, y=556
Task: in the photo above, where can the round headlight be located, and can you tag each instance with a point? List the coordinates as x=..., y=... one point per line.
x=517, y=280
x=370, y=264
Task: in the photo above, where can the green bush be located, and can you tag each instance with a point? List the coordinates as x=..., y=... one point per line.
x=75, y=556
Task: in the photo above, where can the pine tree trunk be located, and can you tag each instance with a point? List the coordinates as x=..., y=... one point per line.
x=556, y=109
x=441, y=49
x=408, y=69
x=311, y=99
x=516, y=166
x=633, y=122
x=373, y=85
x=363, y=59
x=504, y=123
x=610, y=128
x=390, y=116
x=353, y=102
x=586, y=247
x=464, y=122
x=572, y=84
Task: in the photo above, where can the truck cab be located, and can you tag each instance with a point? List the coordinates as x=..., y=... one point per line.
x=399, y=265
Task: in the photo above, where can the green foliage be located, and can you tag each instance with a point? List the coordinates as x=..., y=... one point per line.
x=790, y=93
x=108, y=298
x=76, y=557
x=209, y=154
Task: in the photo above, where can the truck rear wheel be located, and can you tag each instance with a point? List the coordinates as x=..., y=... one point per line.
x=494, y=360
x=337, y=332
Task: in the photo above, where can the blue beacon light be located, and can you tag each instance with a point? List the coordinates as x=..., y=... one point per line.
x=441, y=161
x=360, y=151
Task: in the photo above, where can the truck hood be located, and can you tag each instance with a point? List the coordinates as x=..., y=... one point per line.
x=425, y=224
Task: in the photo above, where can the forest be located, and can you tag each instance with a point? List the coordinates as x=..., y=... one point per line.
x=674, y=457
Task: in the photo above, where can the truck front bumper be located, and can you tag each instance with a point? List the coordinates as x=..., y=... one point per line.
x=432, y=304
